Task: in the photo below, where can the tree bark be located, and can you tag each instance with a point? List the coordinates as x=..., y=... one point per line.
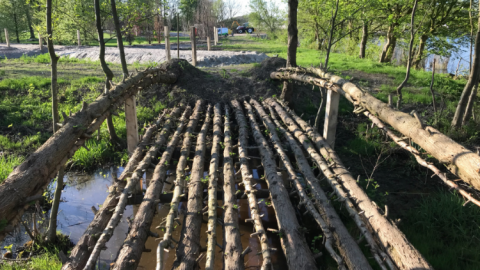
x=330, y=38
x=36, y=171
x=81, y=252
x=363, y=43
x=470, y=105
x=472, y=81
x=51, y=233
x=387, y=52
x=179, y=185
x=188, y=248
x=29, y=21
x=421, y=49
x=232, y=255
x=16, y=26
x=119, y=39
x=287, y=91
x=458, y=159
x=247, y=179
x=318, y=117
x=133, y=246
x=212, y=188
x=409, y=62
x=292, y=240
x=391, y=238
x=53, y=63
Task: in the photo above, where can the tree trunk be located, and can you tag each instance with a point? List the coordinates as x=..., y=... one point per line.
x=472, y=81
x=318, y=117
x=29, y=21
x=36, y=171
x=51, y=234
x=287, y=91
x=470, y=105
x=53, y=63
x=363, y=43
x=292, y=239
x=332, y=31
x=119, y=39
x=409, y=62
x=387, y=52
x=233, y=259
x=188, y=248
x=16, y=27
x=421, y=49
x=108, y=72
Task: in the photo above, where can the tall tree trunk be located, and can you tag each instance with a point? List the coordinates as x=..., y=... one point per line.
x=287, y=90
x=29, y=21
x=16, y=27
x=108, y=73
x=363, y=43
x=472, y=80
x=387, y=52
x=409, y=62
x=421, y=49
x=52, y=228
x=119, y=39
x=471, y=102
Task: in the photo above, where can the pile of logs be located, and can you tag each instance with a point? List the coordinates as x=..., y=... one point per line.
x=270, y=127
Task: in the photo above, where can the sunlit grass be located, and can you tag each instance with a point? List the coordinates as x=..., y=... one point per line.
x=7, y=163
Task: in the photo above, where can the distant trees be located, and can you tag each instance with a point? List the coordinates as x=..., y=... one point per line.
x=15, y=16
x=267, y=15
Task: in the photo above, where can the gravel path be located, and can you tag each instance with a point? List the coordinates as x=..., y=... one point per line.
x=142, y=54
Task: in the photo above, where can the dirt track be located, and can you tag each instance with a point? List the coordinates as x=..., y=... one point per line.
x=141, y=54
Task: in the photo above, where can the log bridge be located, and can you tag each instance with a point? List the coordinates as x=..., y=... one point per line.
x=214, y=148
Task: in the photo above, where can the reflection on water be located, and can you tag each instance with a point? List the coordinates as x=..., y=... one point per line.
x=84, y=191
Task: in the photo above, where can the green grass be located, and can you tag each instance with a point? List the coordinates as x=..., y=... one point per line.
x=7, y=163
x=445, y=231
x=46, y=261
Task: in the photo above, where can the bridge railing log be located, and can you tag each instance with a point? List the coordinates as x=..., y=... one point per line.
x=133, y=246
x=39, y=168
x=352, y=256
x=81, y=252
x=179, y=183
x=294, y=245
x=401, y=251
x=458, y=159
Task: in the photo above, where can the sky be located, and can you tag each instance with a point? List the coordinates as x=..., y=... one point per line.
x=245, y=9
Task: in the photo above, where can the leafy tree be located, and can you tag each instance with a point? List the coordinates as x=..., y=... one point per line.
x=267, y=15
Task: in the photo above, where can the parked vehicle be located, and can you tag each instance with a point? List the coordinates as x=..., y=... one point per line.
x=222, y=31
x=244, y=28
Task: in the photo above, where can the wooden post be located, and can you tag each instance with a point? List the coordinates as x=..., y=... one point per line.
x=78, y=38
x=40, y=42
x=6, y=38
x=215, y=36
x=178, y=38
x=208, y=43
x=331, y=114
x=194, y=46
x=167, y=42
x=131, y=123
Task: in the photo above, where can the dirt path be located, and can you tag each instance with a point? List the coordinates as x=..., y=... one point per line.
x=141, y=54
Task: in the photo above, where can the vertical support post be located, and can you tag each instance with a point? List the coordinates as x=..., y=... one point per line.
x=178, y=37
x=208, y=43
x=331, y=114
x=215, y=31
x=40, y=42
x=194, y=46
x=131, y=123
x=78, y=38
x=7, y=38
x=167, y=42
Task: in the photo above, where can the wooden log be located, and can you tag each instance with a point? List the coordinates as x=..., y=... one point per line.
x=132, y=248
x=232, y=255
x=293, y=242
x=189, y=246
x=391, y=239
x=41, y=166
x=82, y=250
x=351, y=253
x=193, y=39
x=167, y=42
x=79, y=41
x=131, y=123
x=457, y=158
x=212, y=188
x=208, y=43
x=247, y=180
x=331, y=115
x=443, y=176
x=132, y=184
x=179, y=185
